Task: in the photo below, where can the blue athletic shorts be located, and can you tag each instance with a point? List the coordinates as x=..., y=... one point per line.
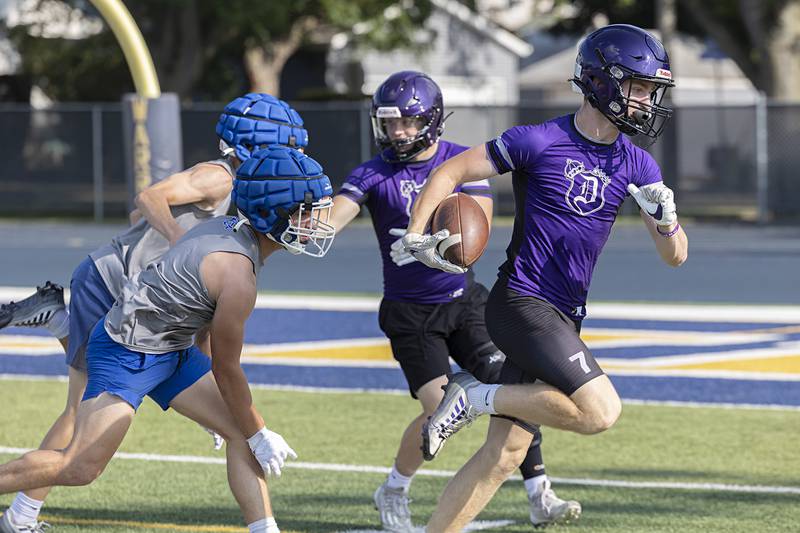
x=89, y=302
x=131, y=375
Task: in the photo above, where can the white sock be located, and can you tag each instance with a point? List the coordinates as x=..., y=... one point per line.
x=396, y=480
x=482, y=398
x=267, y=525
x=535, y=485
x=58, y=325
x=24, y=510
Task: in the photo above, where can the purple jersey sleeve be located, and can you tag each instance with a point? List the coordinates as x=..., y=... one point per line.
x=358, y=184
x=477, y=188
x=517, y=148
x=647, y=170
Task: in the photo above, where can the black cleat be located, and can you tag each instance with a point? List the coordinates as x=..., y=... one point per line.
x=34, y=311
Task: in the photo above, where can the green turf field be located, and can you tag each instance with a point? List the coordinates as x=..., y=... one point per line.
x=649, y=444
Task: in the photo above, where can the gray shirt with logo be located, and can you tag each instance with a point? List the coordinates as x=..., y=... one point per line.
x=131, y=251
x=161, y=308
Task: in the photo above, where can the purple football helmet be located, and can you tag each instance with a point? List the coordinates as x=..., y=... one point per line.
x=407, y=94
x=609, y=56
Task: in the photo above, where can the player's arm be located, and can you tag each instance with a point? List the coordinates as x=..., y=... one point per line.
x=343, y=212
x=235, y=295
x=486, y=203
x=202, y=184
x=471, y=165
x=231, y=282
x=671, y=241
x=135, y=216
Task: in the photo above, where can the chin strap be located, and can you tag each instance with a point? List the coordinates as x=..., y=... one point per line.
x=241, y=222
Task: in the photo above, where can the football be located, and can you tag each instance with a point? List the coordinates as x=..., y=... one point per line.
x=461, y=215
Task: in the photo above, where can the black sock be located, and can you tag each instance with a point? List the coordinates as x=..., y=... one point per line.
x=533, y=465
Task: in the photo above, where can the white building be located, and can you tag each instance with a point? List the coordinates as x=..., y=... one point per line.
x=473, y=60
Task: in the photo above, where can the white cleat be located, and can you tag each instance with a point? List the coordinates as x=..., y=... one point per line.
x=548, y=509
x=7, y=526
x=392, y=504
x=216, y=437
x=453, y=413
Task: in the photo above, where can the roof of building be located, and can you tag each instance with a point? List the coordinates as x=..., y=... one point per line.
x=485, y=26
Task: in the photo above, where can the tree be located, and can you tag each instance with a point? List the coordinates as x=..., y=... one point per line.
x=203, y=48
x=269, y=34
x=761, y=36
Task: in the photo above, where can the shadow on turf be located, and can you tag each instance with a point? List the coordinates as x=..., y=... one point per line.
x=180, y=515
x=224, y=516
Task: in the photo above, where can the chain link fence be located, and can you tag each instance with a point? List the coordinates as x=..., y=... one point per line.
x=68, y=160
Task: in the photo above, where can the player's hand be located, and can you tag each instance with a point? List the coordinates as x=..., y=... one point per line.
x=424, y=249
x=218, y=440
x=271, y=451
x=398, y=252
x=657, y=200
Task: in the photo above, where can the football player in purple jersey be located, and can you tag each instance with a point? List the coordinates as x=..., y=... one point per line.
x=427, y=314
x=570, y=176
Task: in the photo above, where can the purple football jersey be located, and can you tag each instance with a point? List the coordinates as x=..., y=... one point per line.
x=388, y=190
x=567, y=191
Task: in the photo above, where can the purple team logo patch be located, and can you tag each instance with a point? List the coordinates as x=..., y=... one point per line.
x=587, y=188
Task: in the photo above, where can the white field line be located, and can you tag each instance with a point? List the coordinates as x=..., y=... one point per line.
x=29, y=345
x=315, y=345
x=756, y=314
x=404, y=392
x=367, y=469
x=651, y=337
x=634, y=311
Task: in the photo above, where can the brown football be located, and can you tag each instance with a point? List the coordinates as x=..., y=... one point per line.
x=460, y=214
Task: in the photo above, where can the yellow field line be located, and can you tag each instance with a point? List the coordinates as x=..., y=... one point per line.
x=144, y=525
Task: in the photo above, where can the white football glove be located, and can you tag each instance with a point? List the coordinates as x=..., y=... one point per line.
x=271, y=451
x=657, y=200
x=218, y=440
x=398, y=253
x=425, y=249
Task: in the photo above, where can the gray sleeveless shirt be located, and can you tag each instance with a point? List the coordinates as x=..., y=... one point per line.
x=162, y=307
x=141, y=244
